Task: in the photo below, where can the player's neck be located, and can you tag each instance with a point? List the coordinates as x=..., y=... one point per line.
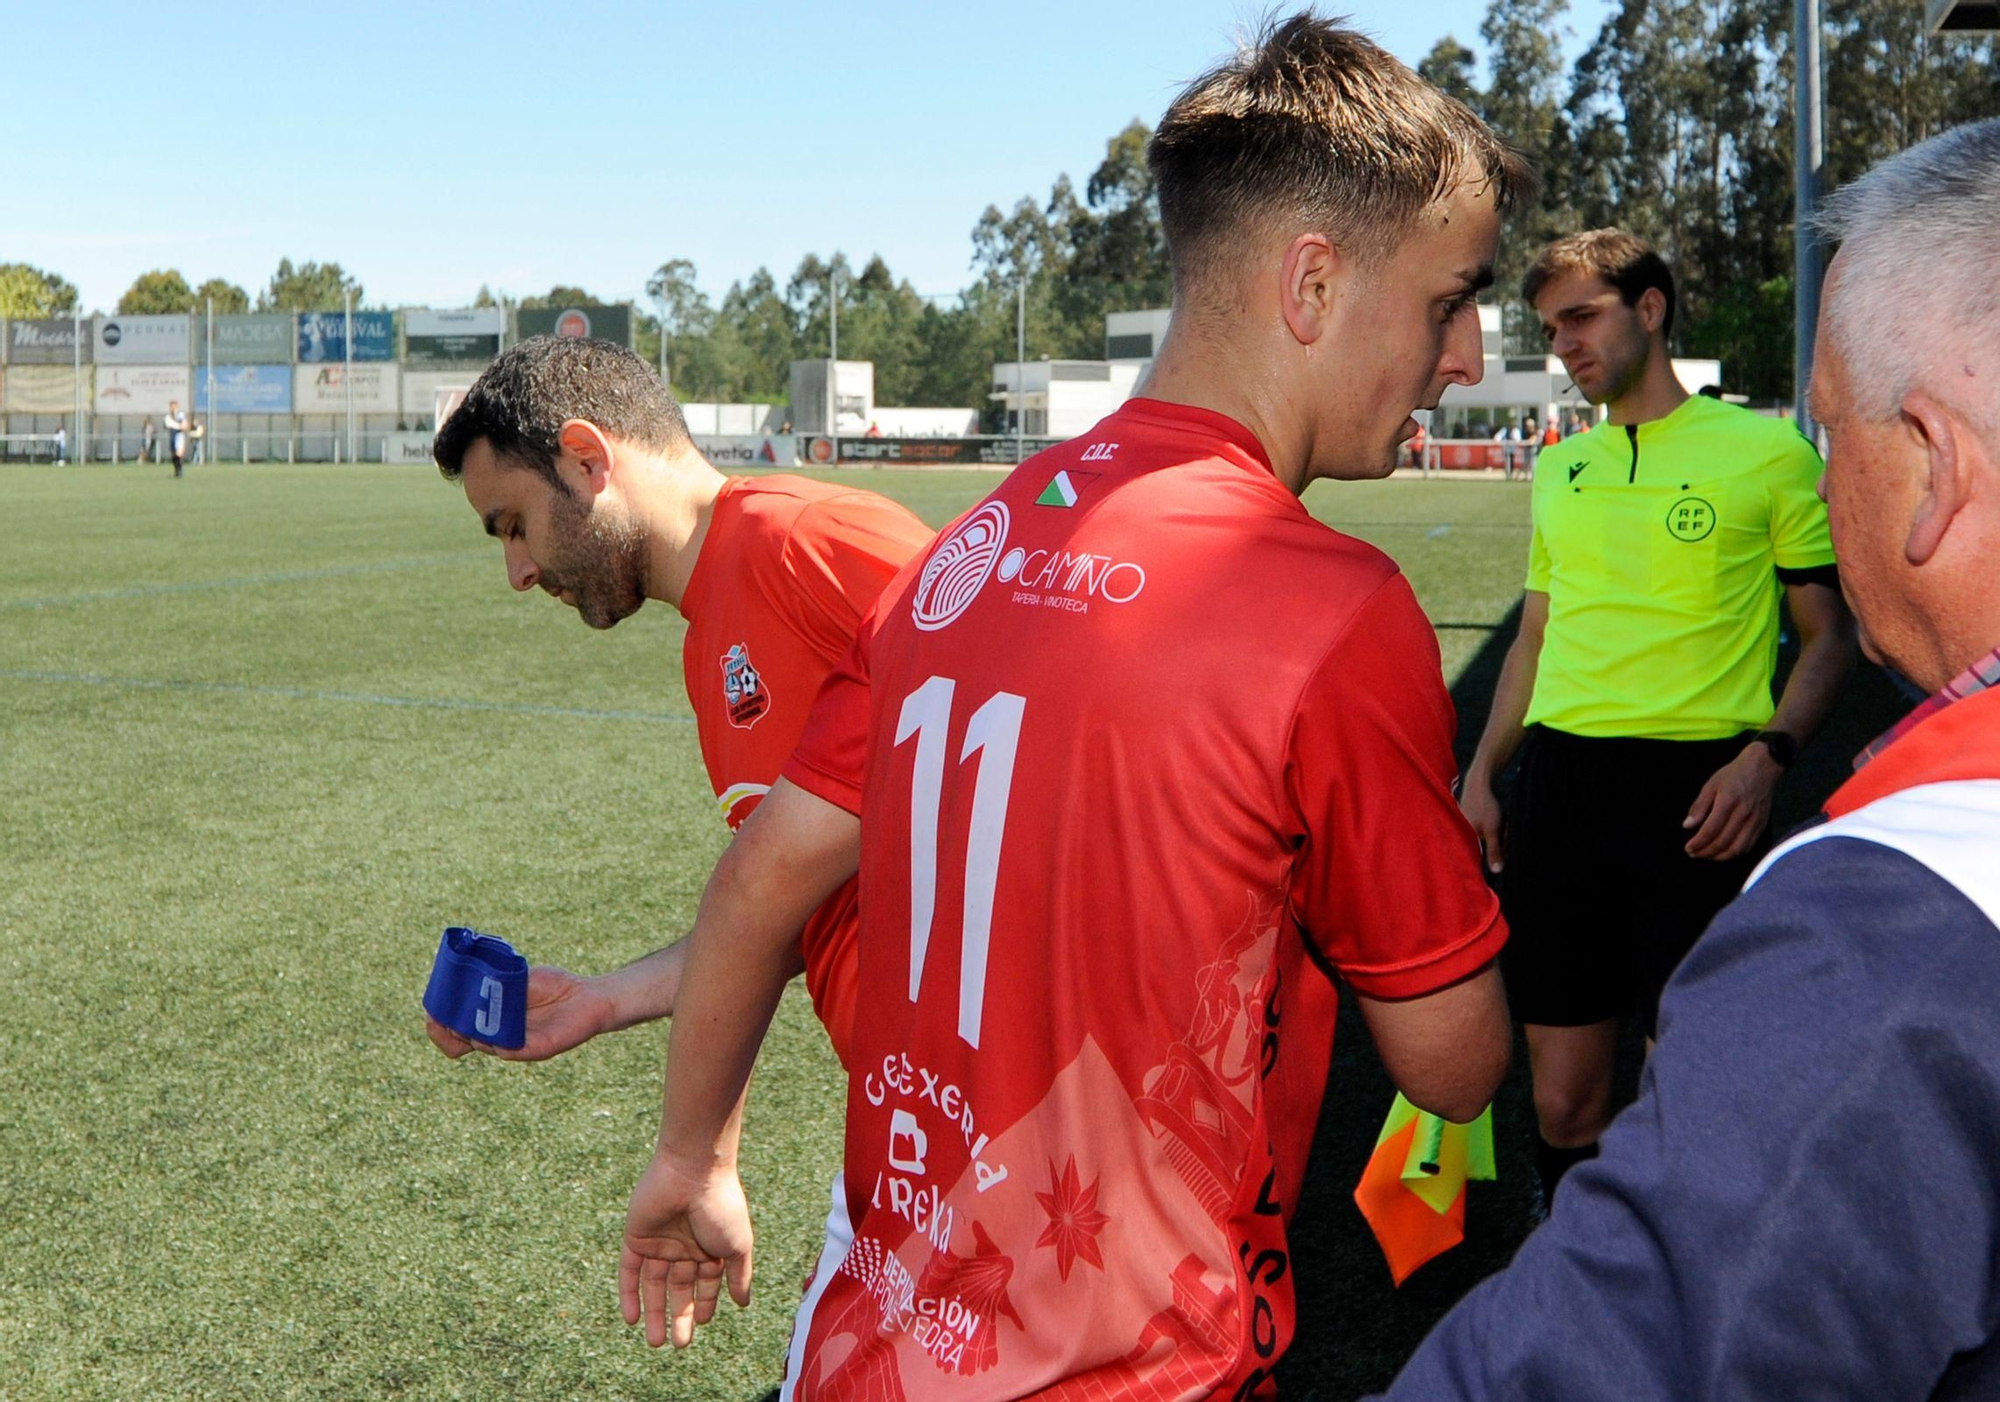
x=1657, y=393
x=1192, y=377
x=675, y=498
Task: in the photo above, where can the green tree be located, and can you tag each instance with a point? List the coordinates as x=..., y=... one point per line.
x=29, y=292
x=161, y=292
x=558, y=297
x=1450, y=66
x=310, y=287
x=229, y=299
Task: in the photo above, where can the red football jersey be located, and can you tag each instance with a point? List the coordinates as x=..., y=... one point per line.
x=1136, y=733
x=786, y=573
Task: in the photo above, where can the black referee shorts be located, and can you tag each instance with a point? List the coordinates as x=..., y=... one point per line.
x=1601, y=899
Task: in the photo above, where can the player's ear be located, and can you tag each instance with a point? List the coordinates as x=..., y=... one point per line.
x=1652, y=309
x=1311, y=286
x=586, y=460
x=1943, y=438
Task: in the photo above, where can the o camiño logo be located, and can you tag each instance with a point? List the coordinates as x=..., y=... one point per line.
x=959, y=567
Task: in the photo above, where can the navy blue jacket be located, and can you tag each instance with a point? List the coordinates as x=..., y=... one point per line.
x=1804, y=1202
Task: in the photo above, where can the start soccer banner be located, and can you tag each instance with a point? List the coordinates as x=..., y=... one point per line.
x=819, y=452
x=140, y=389
x=600, y=323
x=141, y=340
x=322, y=389
x=246, y=389
x=323, y=337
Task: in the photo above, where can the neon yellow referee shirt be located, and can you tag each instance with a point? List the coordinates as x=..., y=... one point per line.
x=1658, y=546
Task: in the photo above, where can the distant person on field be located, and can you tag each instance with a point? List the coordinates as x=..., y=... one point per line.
x=177, y=433
x=576, y=457
x=1802, y=1203
x=62, y=445
x=147, y=435
x=1638, y=692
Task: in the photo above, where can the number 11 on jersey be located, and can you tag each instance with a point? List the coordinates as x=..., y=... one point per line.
x=993, y=733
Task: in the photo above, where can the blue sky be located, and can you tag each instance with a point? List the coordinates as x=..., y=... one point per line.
x=430, y=148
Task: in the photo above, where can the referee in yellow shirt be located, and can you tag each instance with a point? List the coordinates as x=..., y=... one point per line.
x=1639, y=689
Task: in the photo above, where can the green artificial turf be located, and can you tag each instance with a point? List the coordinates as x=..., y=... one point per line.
x=263, y=732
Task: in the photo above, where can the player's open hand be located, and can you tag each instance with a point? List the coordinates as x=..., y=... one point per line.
x=564, y=1011
x=687, y=1230
x=1733, y=807
x=1482, y=810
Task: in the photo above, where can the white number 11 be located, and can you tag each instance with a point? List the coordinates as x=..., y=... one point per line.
x=995, y=729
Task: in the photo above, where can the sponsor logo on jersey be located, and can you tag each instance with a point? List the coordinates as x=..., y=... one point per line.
x=1070, y=579
x=1691, y=519
x=1065, y=487
x=959, y=567
x=743, y=688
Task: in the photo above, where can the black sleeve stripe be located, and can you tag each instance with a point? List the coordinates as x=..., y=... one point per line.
x=1829, y=575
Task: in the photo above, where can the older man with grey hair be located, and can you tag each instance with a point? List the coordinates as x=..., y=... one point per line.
x=1805, y=1201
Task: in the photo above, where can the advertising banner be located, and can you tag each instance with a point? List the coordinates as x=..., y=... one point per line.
x=432, y=337
x=50, y=342
x=246, y=389
x=604, y=323
x=421, y=387
x=263, y=338
x=323, y=337
x=749, y=449
x=141, y=340
x=140, y=389
x=322, y=389
x=41, y=389
x=923, y=451
x=406, y=447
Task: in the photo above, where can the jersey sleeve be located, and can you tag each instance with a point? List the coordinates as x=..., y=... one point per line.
x=831, y=759
x=1538, y=555
x=1386, y=878
x=1811, y=1143
x=838, y=557
x=1799, y=535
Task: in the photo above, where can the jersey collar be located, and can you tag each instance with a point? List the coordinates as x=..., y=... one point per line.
x=722, y=516
x=1954, y=735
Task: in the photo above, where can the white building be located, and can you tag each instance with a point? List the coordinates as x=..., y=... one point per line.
x=1062, y=398
x=1065, y=397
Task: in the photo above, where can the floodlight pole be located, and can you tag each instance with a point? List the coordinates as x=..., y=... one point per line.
x=208, y=370
x=1020, y=367
x=1809, y=154
x=347, y=374
x=76, y=375
x=833, y=364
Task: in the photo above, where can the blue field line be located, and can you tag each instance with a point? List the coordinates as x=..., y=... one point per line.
x=245, y=581
x=361, y=698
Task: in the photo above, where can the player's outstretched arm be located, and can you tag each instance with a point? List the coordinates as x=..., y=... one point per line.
x=1505, y=729
x=687, y=1228
x=1446, y=1051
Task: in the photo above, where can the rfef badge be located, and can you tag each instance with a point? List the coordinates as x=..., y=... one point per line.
x=743, y=688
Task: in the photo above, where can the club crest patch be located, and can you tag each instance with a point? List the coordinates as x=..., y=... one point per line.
x=743, y=688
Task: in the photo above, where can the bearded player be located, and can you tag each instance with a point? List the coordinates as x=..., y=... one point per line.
x=576, y=458
x=1137, y=744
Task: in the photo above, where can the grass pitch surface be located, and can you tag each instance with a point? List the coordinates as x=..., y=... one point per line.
x=263, y=733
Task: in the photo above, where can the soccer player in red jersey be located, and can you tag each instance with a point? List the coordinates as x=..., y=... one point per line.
x=1132, y=745
x=576, y=457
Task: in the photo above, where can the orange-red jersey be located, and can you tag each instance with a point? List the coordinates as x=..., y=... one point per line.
x=786, y=573
x=1135, y=743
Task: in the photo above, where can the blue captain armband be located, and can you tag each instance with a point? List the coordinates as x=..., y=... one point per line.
x=479, y=989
